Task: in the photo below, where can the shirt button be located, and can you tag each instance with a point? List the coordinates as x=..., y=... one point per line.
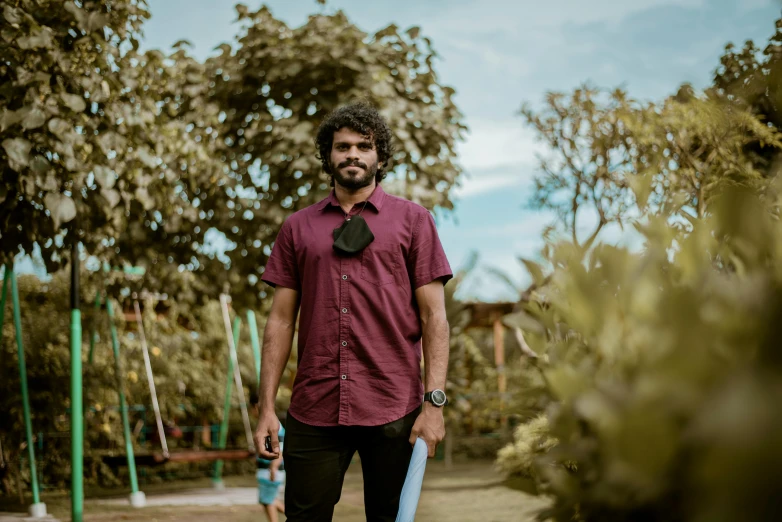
x=344, y=377
x=344, y=343
x=344, y=310
x=344, y=277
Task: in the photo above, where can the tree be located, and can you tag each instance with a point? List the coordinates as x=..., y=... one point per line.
x=691, y=147
x=278, y=83
x=100, y=144
x=663, y=371
x=662, y=365
x=591, y=152
x=189, y=359
x=617, y=159
x=167, y=162
x=754, y=79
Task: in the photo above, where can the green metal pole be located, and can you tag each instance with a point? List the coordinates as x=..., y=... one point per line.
x=256, y=344
x=93, y=330
x=28, y=425
x=2, y=300
x=123, y=407
x=227, y=404
x=77, y=407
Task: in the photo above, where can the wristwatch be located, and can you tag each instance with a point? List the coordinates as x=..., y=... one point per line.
x=436, y=397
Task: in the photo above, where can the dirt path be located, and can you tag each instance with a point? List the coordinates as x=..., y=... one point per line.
x=468, y=492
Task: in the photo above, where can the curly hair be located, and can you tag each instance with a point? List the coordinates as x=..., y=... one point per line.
x=364, y=119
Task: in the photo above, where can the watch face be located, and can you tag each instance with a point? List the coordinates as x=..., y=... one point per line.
x=438, y=397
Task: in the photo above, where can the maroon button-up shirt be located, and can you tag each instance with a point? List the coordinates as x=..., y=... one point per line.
x=359, y=350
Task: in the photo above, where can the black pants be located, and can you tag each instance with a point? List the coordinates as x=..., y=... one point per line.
x=316, y=459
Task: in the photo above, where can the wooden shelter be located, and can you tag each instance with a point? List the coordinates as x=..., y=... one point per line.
x=489, y=315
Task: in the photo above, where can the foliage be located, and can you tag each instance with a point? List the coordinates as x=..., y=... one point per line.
x=471, y=377
x=164, y=162
x=100, y=144
x=531, y=440
x=614, y=159
x=591, y=152
x=665, y=370
x=691, y=147
x=753, y=78
x=189, y=359
x=663, y=364
x=275, y=86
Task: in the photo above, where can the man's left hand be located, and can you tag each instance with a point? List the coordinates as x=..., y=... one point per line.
x=429, y=426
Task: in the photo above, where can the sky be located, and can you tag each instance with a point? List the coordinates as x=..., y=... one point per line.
x=498, y=54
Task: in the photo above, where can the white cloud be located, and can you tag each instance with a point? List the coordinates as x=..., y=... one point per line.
x=478, y=183
x=481, y=16
x=751, y=5
x=530, y=225
x=496, y=58
x=497, y=154
x=498, y=143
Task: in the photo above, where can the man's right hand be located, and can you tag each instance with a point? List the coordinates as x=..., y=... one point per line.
x=268, y=426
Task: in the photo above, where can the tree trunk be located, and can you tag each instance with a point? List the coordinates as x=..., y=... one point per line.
x=19, y=481
x=449, y=447
x=206, y=433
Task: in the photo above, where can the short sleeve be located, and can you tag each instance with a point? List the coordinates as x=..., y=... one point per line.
x=282, y=268
x=427, y=261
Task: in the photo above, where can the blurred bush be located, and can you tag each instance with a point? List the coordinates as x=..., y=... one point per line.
x=664, y=365
x=189, y=358
x=666, y=373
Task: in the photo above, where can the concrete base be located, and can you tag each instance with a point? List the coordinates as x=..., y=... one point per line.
x=25, y=517
x=138, y=499
x=218, y=484
x=38, y=510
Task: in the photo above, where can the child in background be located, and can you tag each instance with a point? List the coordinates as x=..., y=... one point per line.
x=271, y=475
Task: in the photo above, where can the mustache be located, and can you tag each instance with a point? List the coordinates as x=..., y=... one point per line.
x=350, y=163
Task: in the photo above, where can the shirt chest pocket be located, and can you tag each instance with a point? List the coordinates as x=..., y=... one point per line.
x=379, y=263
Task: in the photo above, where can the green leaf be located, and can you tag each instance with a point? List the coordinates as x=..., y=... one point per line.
x=59, y=127
x=74, y=102
x=18, y=150
x=40, y=37
x=534, y=269
x=104, y=177
x=9, y=118
x=112, y=196
x=241, y=10
x=145, y=155
x=34, y=118
x=78, y=13
x=566, y=382
x=642, y=187
x=179, y=44
x=48, y=182
x=144, y=198
x=391, y=30
x=40, y=165
x=12, y=15
x=524, y=321
x=61, y=208
x=95, y=21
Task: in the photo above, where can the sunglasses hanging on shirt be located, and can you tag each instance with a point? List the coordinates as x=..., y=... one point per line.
x=353, y=235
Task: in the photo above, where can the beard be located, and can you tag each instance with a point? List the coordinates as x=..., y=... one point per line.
x=357, y=179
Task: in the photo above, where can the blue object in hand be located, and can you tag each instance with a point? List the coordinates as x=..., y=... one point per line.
x=408, y=501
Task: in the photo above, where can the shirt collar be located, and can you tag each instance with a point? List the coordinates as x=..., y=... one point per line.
x=376, y=199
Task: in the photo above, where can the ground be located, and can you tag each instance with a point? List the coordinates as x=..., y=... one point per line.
x=469, y=491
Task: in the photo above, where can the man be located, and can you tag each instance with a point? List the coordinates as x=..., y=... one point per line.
x=367, y=271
